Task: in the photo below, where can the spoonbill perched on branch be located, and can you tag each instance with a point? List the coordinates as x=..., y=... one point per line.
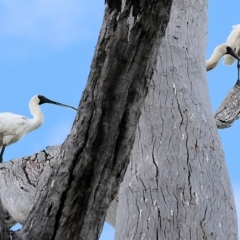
x=219, y=51
x=13, y=127
x=233, y=41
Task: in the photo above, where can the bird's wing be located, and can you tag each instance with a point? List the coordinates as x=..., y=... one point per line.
x=12, y=127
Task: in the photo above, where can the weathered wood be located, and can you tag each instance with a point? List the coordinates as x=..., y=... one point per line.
x=4, y=230
x=21, y=182
x=177, y=185
x=114, y=4
x=111, y=215
x=23, y=179
x=94, y=157
x=229, y=110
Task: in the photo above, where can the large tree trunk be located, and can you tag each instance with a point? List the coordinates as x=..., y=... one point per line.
x=177, y=185
x=94, y=157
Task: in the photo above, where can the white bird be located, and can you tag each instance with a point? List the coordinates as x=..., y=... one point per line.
x=233, y=41
x=13, y=127
x=219, y=51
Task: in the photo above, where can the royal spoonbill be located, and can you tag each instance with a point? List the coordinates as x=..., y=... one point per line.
x=13, y=127
x=219, y=51
x=233, y=41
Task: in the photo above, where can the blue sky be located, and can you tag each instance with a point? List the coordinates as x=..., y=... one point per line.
x=47, y=47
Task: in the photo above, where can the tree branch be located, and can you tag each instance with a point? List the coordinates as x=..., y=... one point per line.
x=22, y=181
x=4, y=230
x=94, y=157
x=229, y=110
x=86, y=174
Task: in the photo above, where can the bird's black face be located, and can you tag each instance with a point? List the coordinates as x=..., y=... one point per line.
x=232, y=53
x=43, y=100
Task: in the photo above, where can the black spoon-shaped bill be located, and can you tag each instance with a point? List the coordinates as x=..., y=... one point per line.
x=43, y=100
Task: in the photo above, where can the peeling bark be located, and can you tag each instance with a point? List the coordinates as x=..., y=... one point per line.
x=177, y=185
x=94, y=157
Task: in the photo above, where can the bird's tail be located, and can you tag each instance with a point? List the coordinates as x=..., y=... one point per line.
x=228, y=60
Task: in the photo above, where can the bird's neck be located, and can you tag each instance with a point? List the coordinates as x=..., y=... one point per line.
x=213, y=61
x=37, y=119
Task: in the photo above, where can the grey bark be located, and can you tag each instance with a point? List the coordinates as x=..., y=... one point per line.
x=21, y=182
x=94, y=157
x=4, y=230
x=111, y=215
x=177, y=185
x=229, y=110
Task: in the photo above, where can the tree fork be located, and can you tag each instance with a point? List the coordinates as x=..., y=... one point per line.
x=94, y=157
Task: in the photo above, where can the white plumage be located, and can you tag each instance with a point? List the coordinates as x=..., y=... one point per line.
x=233, y=41
x=219, y=51
x=13, y=127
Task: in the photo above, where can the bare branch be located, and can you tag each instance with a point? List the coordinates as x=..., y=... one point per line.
x=229, y=110
x=94, y=157
x=21, y=182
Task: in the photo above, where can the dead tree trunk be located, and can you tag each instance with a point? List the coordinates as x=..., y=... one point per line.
x=176, y=185
x=94, y=157
x=22, y=181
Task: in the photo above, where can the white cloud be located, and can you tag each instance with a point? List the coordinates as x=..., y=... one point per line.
x=53, y=23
